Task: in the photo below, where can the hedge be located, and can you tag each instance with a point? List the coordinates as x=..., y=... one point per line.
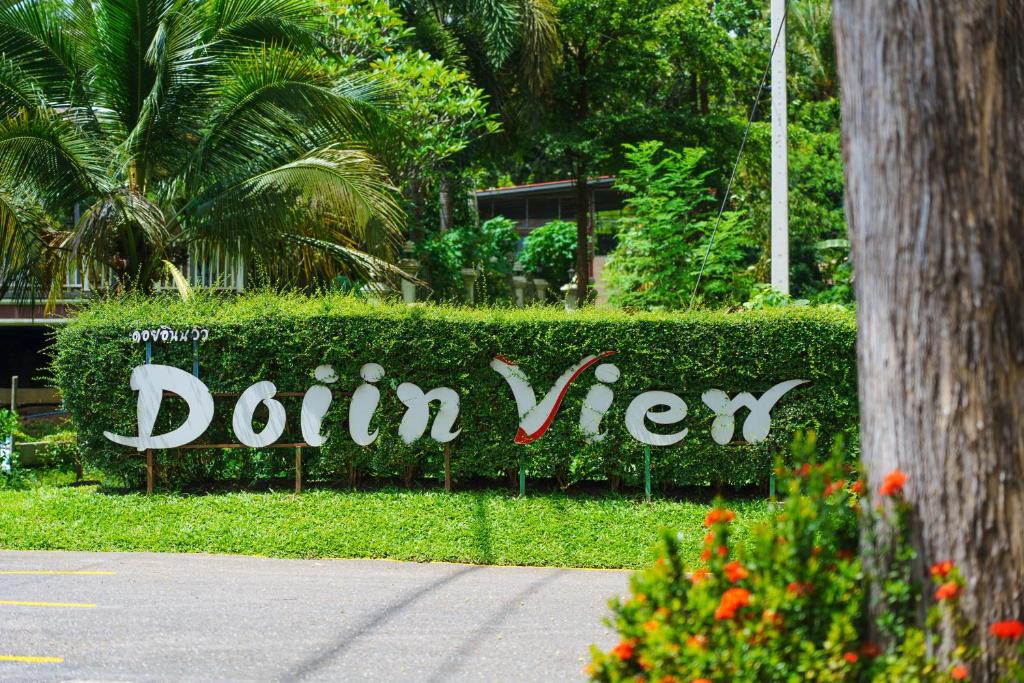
x=282, y=338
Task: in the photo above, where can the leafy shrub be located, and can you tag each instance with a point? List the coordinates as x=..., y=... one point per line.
x=791, y=603
x=61, y=451
x=487, y=249
x=666, y=231
x=282, y=338
x=8, y=423
x=10, y=472
x=549, y=252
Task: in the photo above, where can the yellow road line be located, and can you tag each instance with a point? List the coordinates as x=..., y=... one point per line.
x=55, y=571
x=31, y=660
x=31, y=603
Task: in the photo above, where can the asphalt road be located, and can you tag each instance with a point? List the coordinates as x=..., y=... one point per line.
x=163, y=617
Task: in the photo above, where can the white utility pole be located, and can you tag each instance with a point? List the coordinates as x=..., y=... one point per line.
x=780, y=154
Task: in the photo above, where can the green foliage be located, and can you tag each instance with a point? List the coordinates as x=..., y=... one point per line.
x=766, y=296
x=283, y=338
x=8, y=423
x=11, y=475
x=487, y=249
x=183, y=124
x=662, y=244
x=791, y=597
x=485, y=527
x=437, y=109
x=549, y=252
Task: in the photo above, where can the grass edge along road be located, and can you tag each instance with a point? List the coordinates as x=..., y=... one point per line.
x=479, y=527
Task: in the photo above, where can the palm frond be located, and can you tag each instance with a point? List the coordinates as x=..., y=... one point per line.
x=271, y=107
x=339, y=190
x=53, y=155
x=540, y=49
x=180, y=281
x=246, y=23
x=24, y=226
x=365, y=265
x=34, y=34
x=18, y=92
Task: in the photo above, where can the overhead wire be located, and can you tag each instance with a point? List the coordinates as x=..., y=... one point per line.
x=739, y=154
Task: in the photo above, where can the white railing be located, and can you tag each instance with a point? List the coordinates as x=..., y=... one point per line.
x=205, y=268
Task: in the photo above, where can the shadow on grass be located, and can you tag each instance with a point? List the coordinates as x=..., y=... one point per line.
x=482, y=529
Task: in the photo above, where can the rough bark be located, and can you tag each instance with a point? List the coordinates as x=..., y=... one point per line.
x=933, y=140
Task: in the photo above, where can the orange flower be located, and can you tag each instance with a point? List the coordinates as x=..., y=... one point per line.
x=947, y=591
x=662, y=612
x=699, y=575
x=770, y=616
x=833, y=487
x=718, y=515
x=893, y=483
x=651, y=626
x=667, y=678
x=857, y=487
x=706, y=555
x=870, y=649
x=709, y=538
x=697, y=642
x=732, y=600
x=700, y=680
x=734, y=571
x=941, y=569
x=1007, y=630
x=796, y=588
x=958, y=673
x=851, y=657
x=624, y=650
x=722, y=551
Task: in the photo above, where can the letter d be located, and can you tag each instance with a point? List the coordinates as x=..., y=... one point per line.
x=151, y=381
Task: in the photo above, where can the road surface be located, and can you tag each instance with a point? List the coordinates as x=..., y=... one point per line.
x=68, y=616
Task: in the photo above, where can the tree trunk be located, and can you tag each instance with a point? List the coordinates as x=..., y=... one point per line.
x=582, y=235
x=445, y=202
x=933, y=119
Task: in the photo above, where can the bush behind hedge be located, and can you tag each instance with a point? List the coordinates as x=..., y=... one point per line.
x=282, y=338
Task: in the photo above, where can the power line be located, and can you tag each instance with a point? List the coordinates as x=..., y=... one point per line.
x=739, y=154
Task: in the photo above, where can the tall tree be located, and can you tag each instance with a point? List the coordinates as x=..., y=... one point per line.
x=933, y=115
x=178, y=122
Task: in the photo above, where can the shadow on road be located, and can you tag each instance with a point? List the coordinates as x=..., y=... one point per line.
x=321, y=659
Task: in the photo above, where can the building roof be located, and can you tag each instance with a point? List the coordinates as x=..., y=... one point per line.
x=553, y=187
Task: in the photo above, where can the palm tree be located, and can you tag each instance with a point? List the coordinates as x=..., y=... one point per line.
x=510, y=46
x=164, y=124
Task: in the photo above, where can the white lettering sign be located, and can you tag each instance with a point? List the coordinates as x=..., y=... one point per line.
x=656, y=407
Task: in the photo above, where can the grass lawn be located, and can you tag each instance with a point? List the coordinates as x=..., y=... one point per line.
x=488, y=527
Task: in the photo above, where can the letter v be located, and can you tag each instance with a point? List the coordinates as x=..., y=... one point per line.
x=534, y=418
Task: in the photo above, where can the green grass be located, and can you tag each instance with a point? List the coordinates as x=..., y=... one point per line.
x=488, y=527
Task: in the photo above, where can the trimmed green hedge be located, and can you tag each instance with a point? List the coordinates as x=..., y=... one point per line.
x=283, y=338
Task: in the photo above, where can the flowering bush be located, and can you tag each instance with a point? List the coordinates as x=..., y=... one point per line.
x=791, y=604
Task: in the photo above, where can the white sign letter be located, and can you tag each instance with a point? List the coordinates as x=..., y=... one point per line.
x=315, y=404
x=241, y=421
x=534, y=418
x=364, y=404
x=598, y=401
x=641, y=408
x=757, y=424
x=151, y=381
x=414, y=423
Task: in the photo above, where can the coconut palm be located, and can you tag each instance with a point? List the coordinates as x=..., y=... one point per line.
x=510, y=46
x=130, y=131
